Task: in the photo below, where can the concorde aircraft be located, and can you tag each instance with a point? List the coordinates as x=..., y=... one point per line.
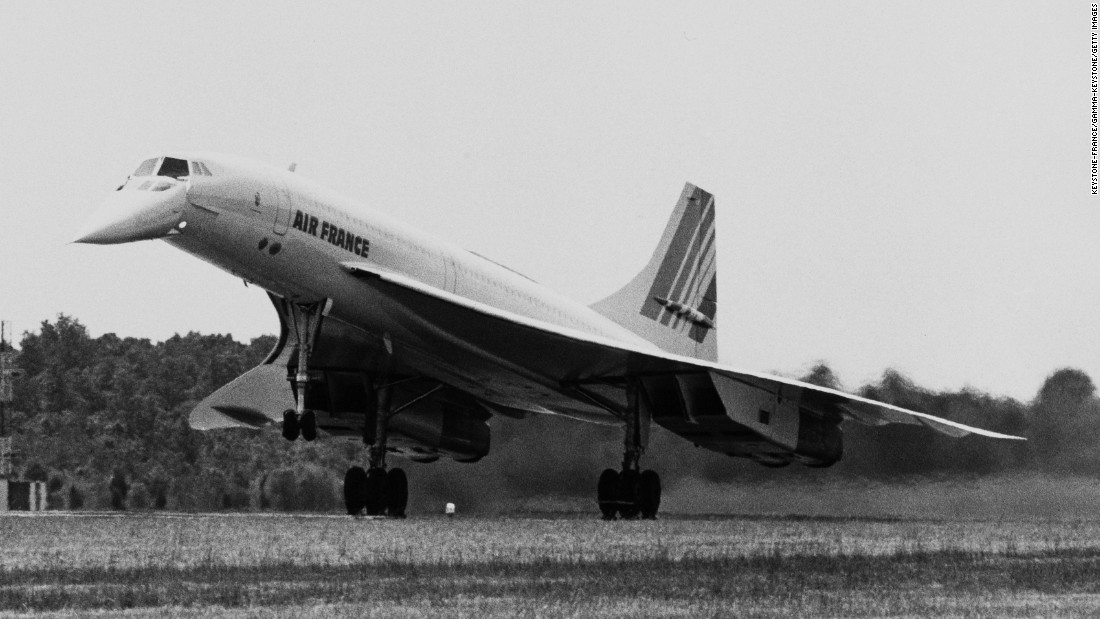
x=411, y=344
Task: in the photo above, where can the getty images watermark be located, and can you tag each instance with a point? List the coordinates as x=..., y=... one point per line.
x=1095, y=160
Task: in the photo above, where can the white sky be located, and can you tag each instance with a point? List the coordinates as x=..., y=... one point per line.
x=899, y=184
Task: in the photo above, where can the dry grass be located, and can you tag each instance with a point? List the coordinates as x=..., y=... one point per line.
x=264, y=565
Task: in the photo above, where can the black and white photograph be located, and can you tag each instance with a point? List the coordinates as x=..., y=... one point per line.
x=533, y=309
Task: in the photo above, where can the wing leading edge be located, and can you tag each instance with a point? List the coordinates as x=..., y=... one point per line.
x=726, y=409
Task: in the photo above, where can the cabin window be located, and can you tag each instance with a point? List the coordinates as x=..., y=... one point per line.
x=176, y=168
x=146, y=168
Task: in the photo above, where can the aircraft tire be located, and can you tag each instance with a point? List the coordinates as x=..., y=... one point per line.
x=291, y=429
x=628, y=494
x=397, y=493
x=607, y=493
x=375, y=499
x=355, y=490
x=649, y=494
x=308, y=424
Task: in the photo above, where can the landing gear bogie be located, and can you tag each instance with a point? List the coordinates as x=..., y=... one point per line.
x=649, y=494
x=376, y=492
x=355, y=487
x=628, y=494
x=607, y=493
x=308, y=424
x=631, y=492
x=291, y=428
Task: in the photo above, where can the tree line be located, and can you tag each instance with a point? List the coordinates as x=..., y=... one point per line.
x=103, y=421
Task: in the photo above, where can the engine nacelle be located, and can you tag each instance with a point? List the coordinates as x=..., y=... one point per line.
x=451, y=429
x=773, y=426
x=820, y=440
x=448, y=423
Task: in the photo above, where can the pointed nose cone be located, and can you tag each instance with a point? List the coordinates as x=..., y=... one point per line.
x=132, y=214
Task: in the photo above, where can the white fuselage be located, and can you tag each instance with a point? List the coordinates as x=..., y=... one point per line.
x=277, y=230
x=307, y=265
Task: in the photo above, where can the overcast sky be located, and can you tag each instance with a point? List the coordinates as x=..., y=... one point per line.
x=899, y=185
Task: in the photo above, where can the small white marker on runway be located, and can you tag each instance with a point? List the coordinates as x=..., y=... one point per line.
x=449, y=510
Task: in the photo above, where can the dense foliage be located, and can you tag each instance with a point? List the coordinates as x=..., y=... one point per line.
x=104, y=422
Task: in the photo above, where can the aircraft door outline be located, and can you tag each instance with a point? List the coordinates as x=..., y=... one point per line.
x=282, y=210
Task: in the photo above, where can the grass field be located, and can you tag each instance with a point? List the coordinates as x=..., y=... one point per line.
x=246, y=565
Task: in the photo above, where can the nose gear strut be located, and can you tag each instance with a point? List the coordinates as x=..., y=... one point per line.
x=306, y=319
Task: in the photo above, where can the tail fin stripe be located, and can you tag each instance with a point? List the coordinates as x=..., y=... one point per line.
x=679, y=294
x=685, y=256
x=691, y=268
x=705, y=269
x=692, y=298
x=676, y=251
x=700, y=258
x=707, y=307
x=672, y=301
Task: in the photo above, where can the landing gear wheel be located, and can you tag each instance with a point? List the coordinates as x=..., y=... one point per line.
x=355, y=490
x=628, y=494
x=649, y=494
x=291, y=429
x=607, y=493
x=308, y=424
x=397, y=493
x=375, y=501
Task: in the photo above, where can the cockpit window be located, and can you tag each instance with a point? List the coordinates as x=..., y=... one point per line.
x=199, y=168
x=146, y=168
x=174, y=168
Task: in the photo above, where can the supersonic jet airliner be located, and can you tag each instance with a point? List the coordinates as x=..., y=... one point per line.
x=410, y=343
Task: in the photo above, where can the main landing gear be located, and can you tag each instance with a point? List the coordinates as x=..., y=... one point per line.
x=377, y=491
x=631, y=492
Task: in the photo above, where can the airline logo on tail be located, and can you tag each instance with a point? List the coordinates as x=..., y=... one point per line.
x=672, y=302
x=684, y=291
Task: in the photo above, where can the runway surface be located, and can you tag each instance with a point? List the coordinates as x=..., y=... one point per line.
x=245, y=564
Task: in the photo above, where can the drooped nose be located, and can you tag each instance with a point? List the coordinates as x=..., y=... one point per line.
x=134, y=214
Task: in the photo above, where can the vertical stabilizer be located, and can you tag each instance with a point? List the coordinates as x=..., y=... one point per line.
x=672, y=302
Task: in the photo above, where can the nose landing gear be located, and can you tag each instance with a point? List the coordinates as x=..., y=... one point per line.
x=307, y=325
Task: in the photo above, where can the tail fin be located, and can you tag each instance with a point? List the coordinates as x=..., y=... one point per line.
x=672, y=302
